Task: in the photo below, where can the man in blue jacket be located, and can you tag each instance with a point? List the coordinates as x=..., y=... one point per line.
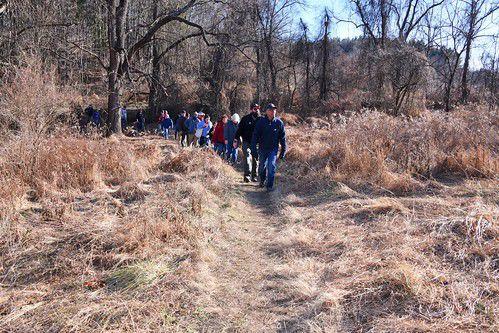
x=268, y=134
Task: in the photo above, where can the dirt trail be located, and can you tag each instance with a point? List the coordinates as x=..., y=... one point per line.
x=242, y=280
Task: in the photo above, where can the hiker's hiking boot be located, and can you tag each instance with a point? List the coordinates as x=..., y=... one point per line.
x=247, y=179
x=254, y=179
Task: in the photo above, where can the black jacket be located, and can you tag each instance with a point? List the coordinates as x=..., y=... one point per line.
x=246, y=127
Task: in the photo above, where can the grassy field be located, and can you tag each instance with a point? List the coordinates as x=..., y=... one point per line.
x=379, y=224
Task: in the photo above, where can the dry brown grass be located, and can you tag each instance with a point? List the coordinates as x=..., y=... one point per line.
x=394, y=154
x=98, y=242
x=398, y=217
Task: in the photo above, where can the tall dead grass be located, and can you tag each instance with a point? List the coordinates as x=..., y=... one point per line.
x=376, y=150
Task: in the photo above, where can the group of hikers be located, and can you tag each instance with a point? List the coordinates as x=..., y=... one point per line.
x=93, y=117
x=258, y=136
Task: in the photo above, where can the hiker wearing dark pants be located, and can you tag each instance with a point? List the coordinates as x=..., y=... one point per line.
x=230, y=134
x=180, y=128
x=191, y=125
x=268, y=134
x=124, y=116
x=245, y=132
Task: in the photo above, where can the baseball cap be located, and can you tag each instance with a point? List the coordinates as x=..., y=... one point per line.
x=270, y=106
x=254, y=105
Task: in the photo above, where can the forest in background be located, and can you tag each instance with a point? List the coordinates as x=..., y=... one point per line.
x=385, y=214
x=219, y=56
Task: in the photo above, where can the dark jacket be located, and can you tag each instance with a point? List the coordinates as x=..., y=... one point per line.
x=268, y=135
x=246, y=127
x=230, y=132
x=180, y=124
x=166, y=123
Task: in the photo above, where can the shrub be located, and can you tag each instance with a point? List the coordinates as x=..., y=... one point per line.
x=394, y=152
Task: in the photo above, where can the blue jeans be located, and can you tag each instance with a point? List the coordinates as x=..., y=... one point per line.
x=219, y=148
x=165, y=133
x=204, y=141
x=267, y=167
x=231, y=153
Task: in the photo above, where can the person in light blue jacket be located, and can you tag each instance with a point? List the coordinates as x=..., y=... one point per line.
x=202, y=131
x=166, y=124
x=231, y=145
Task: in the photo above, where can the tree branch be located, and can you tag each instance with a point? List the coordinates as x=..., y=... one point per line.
x=91, y=53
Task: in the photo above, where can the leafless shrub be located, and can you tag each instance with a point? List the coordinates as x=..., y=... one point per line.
x=32, y=101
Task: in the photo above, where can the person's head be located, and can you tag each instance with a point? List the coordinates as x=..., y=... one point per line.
x=184, y=113
x=200, y=115
x=207, y=119
x=224, y=119
x=235, y=118
x=271, y=110
x=255, y=108
x=195, y=114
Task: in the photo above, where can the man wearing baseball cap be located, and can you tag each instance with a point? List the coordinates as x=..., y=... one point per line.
x=245, y=131
x=268, y=134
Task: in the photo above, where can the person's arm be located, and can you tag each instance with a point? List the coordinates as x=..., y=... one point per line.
x=256, y=138
x=282, y=141
x=226, y=134
x=240, y=128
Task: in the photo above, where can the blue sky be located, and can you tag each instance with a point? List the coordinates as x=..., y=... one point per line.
x=313, y=10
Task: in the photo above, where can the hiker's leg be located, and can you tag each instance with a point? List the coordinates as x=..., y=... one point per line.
x=228, y=151
x=254, y=167
x=271, y=168
x=247, y=160
x=262, y=169
x=231, y=153
x=221, y=149
x=234, y=154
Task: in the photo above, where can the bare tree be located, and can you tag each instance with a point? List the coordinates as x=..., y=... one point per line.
x=477, y=11
x=410, y=13
x=306, y=45
x=324, y=80
x=120, y=56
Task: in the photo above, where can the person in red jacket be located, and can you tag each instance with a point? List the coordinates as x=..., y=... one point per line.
x=218, y=136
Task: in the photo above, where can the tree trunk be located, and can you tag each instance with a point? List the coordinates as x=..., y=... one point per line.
x=448, y=89
x=465, y=92
x=154, y=84
x=384, y=12
x=307, y=72
x=116, y=34
x=272, y=69
x=258, y=66
x=325, y=59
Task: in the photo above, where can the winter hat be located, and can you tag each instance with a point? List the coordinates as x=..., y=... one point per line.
x=235, y=118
